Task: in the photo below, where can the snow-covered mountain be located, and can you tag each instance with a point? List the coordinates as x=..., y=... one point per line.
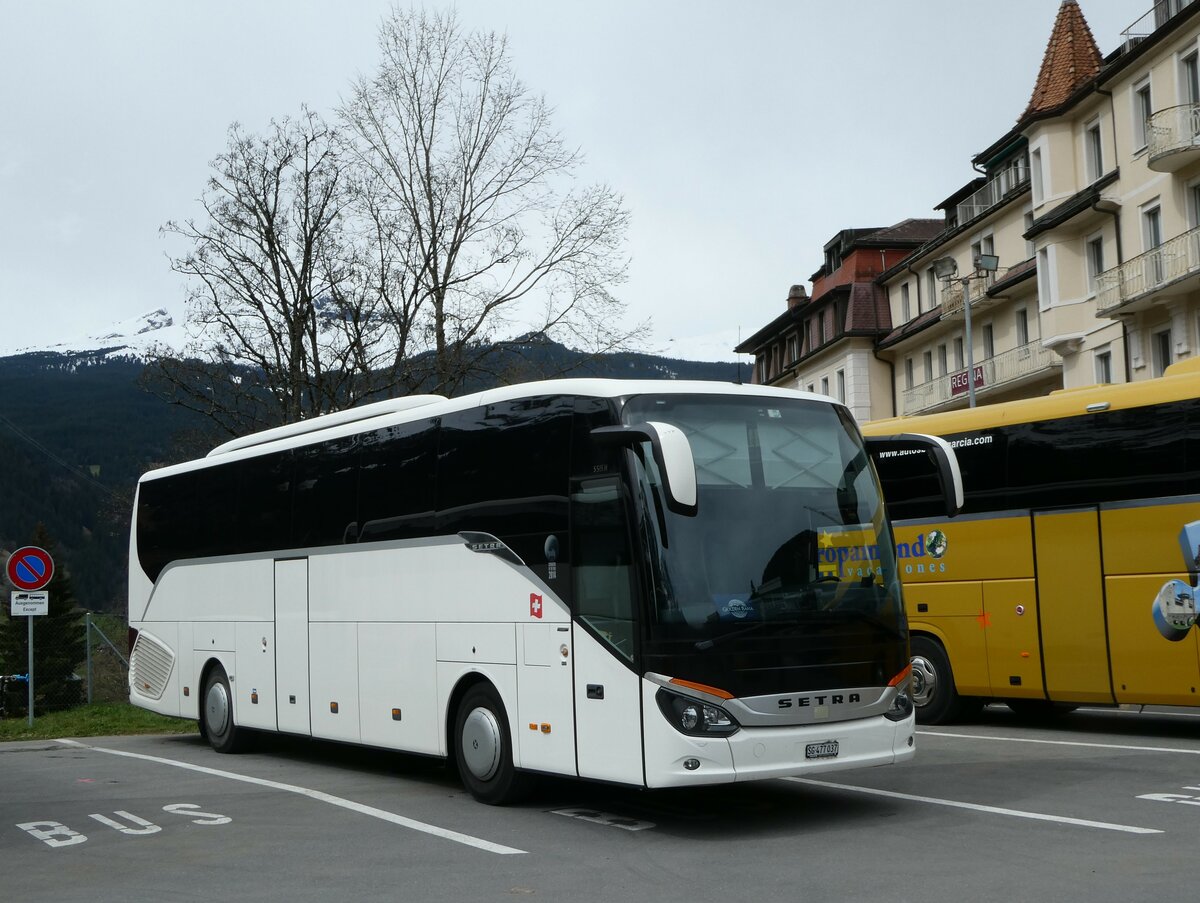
x=136, y=336
x=132, y=338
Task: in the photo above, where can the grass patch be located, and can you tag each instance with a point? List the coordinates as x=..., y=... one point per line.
x=99, y=719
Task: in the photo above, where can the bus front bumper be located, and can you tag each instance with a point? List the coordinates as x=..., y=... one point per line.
x=757, y=753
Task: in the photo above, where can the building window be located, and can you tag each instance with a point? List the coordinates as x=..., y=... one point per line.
x=905, y=305
x=1143, y=107
x=1161, y=351
x=762, y=370
x=1093, y=151
x=793, y=351
x=959, y=363
x=1103, y=359
x=1193, y=205
x=1189, y=78
x=824, y=385
x=989, y=344
x=821, y=326
x=943, y=364
x=812, y=388
x=841, y=386
x=1022, y=323
x=1094, y=254
x=928, y=359
x=1030, y=247
x=1151, y=239
x=1043, y=278
x=908, y=373
x=931, y=284
x=1035, y=175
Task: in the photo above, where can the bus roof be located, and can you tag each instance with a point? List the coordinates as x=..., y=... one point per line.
x=1181, y=381
x=402, y=410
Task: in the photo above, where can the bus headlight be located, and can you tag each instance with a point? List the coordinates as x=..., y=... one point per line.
x=695, y=718
x=902, y=705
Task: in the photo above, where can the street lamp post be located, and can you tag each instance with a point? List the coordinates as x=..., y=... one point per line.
x=946, y=268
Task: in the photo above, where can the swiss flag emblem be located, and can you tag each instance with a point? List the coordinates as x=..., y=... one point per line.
x=535, y=605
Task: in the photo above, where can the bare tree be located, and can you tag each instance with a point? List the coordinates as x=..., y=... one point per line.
x=281, y=300
x=463, y=163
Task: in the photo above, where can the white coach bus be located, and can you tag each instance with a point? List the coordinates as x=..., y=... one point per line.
x=648, y=583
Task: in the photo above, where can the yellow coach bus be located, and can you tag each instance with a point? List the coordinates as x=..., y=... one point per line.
x=1039, y=593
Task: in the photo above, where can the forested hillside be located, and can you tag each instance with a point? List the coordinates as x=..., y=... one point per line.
x=76, y=431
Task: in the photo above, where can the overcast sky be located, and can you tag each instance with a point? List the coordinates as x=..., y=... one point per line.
x=742, y=136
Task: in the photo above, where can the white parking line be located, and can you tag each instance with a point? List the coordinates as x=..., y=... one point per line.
x=1160, y=749
x=976, y=807
x=318, y=795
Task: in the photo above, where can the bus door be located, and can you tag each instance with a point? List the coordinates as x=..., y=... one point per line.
x=291, y=645
x=1071, y=605
x=608, y=715
x=1141, y=553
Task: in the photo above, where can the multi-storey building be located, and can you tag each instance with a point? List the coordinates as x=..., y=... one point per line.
x=1089, y=210
x=826, y=343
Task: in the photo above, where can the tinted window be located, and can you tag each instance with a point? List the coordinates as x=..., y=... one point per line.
x=325, y=493
x=1129, y=454
x=163, y=525
x=264, y=503
x=396, y=482
x=213, y=513
x=911, y=489
x=503, y=470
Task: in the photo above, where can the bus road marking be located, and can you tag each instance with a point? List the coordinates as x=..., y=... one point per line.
x=605, y=818
x=977, y=807
x=382, y=814
x=1125, y=746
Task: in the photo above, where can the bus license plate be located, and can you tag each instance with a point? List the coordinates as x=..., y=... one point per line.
x=826, y=749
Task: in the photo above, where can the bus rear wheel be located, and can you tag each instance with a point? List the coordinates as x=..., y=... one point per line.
x=216, y=714
x=933, y=692
x=484, y=751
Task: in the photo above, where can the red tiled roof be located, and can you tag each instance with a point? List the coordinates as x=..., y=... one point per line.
x=1071, y=58
x=868, y=308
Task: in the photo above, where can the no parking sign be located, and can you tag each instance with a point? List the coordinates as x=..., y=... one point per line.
x=30, y=568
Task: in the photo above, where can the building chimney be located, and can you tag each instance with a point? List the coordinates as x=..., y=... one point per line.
x=796, y=296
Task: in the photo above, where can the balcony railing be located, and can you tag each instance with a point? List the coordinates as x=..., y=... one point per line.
x=952, y=293
x=999, y=187
x=1151, y=20
x=1173, y=133
x=990, y=373
x=1140, y=276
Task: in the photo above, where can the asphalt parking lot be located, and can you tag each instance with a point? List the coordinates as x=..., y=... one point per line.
x=1102, y=805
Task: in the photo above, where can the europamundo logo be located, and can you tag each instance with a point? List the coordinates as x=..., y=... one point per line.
x=922, y=556
x=931, y=545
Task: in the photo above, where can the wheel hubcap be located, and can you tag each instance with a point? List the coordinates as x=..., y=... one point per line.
x=216, y=708
x=924, y=680
x=481, y=744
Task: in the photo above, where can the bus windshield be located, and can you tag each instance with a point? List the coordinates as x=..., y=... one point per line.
x=791, y=549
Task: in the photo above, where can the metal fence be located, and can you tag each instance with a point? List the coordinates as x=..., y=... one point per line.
x=80, y=660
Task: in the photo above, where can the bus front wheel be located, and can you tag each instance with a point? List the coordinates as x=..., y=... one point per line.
x=934, y=696
x=484, y=750
x=216, y=714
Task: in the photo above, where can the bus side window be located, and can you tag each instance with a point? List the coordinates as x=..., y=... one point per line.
x=325, y=494
x=396, y=482
x=504, y=471
x=1096, y=458
x=602, y=569
x=263, y=487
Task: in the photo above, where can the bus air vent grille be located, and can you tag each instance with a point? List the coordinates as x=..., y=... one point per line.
x=150, y=666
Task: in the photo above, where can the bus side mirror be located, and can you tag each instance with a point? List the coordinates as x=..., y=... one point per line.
x=672, y=453
x=937, y=453
x=1175, y=607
